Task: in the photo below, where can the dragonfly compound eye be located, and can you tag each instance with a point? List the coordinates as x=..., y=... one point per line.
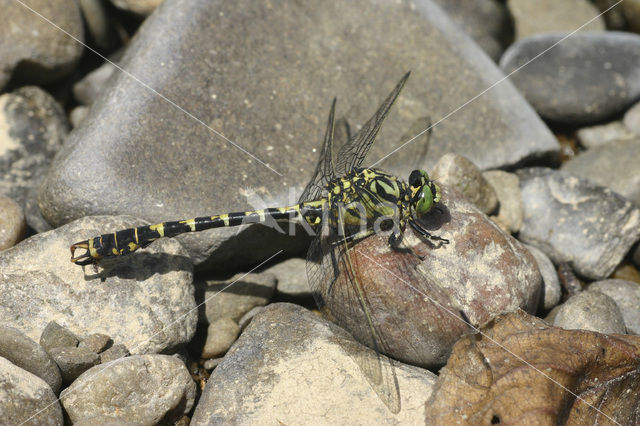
x=426, y=200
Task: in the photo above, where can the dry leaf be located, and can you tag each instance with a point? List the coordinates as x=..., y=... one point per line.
x=523, y=371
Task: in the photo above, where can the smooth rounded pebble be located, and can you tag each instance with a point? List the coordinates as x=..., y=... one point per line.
x=30, y=356
x=12, y=223
x=26, y=399
x=552, y=292
x=626, y=294
x=590, y=310
x=631, y=119
x=234, y=297
x=543, y=16
x=142, y=389
x=614, y=165
x=458, y=173
x=290, y=365
x=602, y=134
x=586, y=78
x=31, y=46
x=291, y=276
x=574, y=220
x=510, y=210
x=220, y=336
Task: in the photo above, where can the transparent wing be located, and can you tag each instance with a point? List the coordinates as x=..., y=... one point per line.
x=353, y=153
x=342, y=299
x=325, y=169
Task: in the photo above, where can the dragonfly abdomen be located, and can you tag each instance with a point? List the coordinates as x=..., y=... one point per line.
x=128, y=240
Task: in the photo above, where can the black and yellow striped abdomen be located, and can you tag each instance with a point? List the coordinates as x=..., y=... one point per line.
x=128, y=240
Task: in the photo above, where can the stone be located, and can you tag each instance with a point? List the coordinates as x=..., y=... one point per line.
x=12, y=223
x=210, y=364
x=596, y=74
x=614, y=165
x=98, y=23
x=32, y=128
x=486, y=21
x=551, y=290
x=78, y=114
x=144, y=301
x=507, y=188
x=96, y=342
x=102, y=421
x=613, y=15
x=544, y=16
x=234, y=297
x=26, y=399
x=141, y=7
x=626, y=294
x=220, y=336
x=291, y=276
x=419, y=297
x=238, y=90
x=631, y=12
x=56, y=336
x=93, y=84
x=33, y=49
x=631, y=119
x=114, y=353
x=602, y=134
x=73, y=361
x=291, y=365
x=590, y=310
x=30, y=356
x=246, y=318
x=142, y=389
x=573, y=220
x=459, y=173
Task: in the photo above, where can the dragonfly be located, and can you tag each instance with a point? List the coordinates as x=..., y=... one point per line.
x=343, y=204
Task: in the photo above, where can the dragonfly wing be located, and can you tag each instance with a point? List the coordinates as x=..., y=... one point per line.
x=353, y=153
x=342, y=299
x=325, y=169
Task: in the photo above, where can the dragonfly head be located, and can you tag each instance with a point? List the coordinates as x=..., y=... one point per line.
x=424, y=193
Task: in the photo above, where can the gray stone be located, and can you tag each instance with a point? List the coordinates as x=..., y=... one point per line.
x=92, y=85
x=626, y=294
x=595, y=74
x=142, y=389
x=614, y=165
x=290, y=365
x=141, y=7
x=73, y=361
x=613, y=15
x=291, y=276
x=96, y=342
x=210, y=364
x=28, y=355
x=246, y=318
x=458, y=173
x=34, y=49
x=551, y=292
x=544, y=16
x=631, y=12
x=631, y=119
x=56, y=336
x=145, y=300
x=486, y=21
x=115, y=352
x=237, y=88
x=234, y=297
x=602, y=134
x=33, y=129
x=12, y=223
x=78, y=114
x=507, y=188
x=97, y=19
x=573, y=220
x=102, y=421
x=220, y=336
x=26, y=399
x=590, y=310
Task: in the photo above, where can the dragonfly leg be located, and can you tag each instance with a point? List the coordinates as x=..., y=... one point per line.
x=420, y=230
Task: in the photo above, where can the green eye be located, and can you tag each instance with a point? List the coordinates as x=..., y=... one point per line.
x=425, y=203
